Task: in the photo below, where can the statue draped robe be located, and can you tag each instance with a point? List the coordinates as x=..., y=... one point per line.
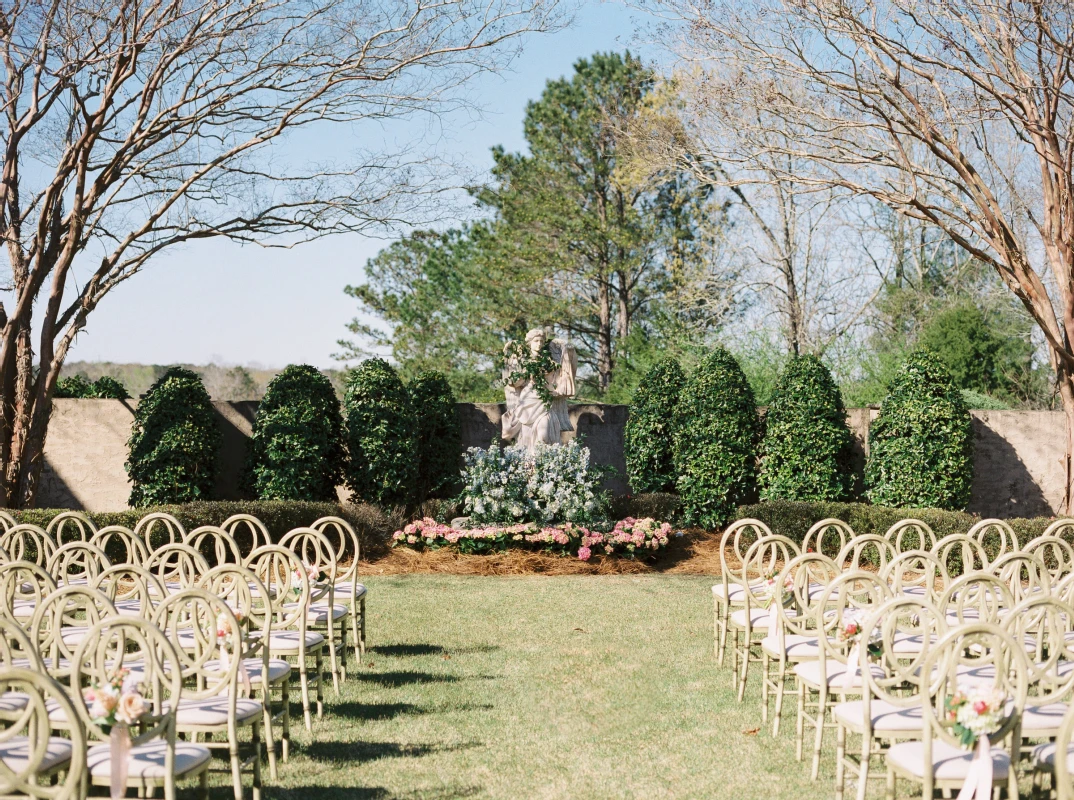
x=527, y=420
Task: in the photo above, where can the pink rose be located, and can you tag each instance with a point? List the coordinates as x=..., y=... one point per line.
x=980, y=707
x=131, y=708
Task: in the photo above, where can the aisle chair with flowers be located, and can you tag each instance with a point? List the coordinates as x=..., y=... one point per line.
x=963, y=726
x=132, y=679
x=348, y=590
x=325, y=615
x=210, y=643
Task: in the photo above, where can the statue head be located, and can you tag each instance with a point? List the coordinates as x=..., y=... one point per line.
x=535, y=339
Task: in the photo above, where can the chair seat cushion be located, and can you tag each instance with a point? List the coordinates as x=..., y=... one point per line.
x=288, y=641
x=834, y=674
x=1044, y=756
x=734, y=590
x=1043, y=720
x=949, y=763
x=318, y=613
x=797, y=646
x=885, y=717
x=344, y=590
x=13, y=703
x=213, y=711
x=15, y=753
x=758, y=618
x=278, y=669
x=147, y=760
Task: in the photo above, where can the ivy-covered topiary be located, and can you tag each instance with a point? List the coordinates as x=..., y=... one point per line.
x=921, y=444
x=439, y=437
x=716, y=438
x=79, y=387
x=381, y=436
x=173, y=445
x=650, y=428
x=108, y=388
x=807, y=449
x=297, y=450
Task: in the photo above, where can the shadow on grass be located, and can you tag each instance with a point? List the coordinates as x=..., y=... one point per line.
x=429, y=650
x=405, y=678
x=369, y=712
x=350, y=752
x=362, y=793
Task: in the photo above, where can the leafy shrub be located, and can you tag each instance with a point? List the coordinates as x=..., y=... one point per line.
x=921, y=444
x=297, y=450
x=78, y=387
x=383, y=466
x=807, y=448
x=173, y=443
x=438, y=436
x=650, y=428
x=658, y=505
x=716, y=438
x=553, y=484
x=373, y=525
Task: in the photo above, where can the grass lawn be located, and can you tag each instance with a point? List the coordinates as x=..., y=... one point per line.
x=542, y=687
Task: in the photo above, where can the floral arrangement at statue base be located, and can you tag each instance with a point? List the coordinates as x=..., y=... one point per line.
x=631, y=538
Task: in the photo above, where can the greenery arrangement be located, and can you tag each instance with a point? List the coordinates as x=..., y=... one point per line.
x=529, y=366
x=383, y=467
x=553, y=484
x=438, y=437
x=650, y=428
x=78, y=387
x=297, y=450
x=173, y=444
x=716, y=437
x=921, y=444
x=807, y=448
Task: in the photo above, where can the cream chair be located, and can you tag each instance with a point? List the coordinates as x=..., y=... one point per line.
x=27, y=543
x=348, y=589
x=918, y=573
x=828, y=537
x=867, y=551
x=158, y=529
x=1060, y=769
x=961, y=554
x=248, y=531
x=911, y=534
x=77, y=564
x=1057, y=555
x=215, y=544
x=727, y=594
x=121, y=545
x=70, y=526
x=988, y=530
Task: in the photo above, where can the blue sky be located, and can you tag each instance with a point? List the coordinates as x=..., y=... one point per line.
x=218, y=301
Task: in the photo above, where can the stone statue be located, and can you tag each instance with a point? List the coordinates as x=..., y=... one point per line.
x=529, y=418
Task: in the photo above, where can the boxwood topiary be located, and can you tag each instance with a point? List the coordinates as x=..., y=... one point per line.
x=921, y=444
x=716, y=437
x=381, y=429
x=439, y=437
x=173, y=444
x=650, y=428
x=78, y=387
x=108, y=388
x=807, y=448
x=297, y=450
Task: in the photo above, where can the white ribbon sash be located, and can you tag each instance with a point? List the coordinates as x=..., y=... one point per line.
x=978, y=785
x=244, y=674
x=120, y=747
x=852, y=666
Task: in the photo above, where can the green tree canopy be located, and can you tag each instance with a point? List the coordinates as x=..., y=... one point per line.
x=650, y=428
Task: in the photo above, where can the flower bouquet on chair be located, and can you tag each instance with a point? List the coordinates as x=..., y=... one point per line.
x=851, y=632
x=973, y=716
x=114, y=707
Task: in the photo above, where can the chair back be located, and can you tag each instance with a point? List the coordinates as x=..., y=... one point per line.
x=827, y=537
x=977, y=597
x=59, y=624
x=215, y=544
x=344, y=540
x=764, y=561
x=6, y=521
x=906, y=628
x=803, y=577
x=177, y=566
x=23, y=585
x=245, y=593
x=248, y=531
x=995, y=536
x=158, y=529
x=70, y=526
x=1025, y=574
x=134, y=590
x=911, y=534
x=961, y=554
x=1057, y=555
x=1044, y=624
x=27, y=735
x=867, y=550
x=121, y=545
x=1064, y=787
x=286, y=581
x=916, y=572
x=27, y=543
x=77, y=562
x=739, y=537
x=849, y=598
x=209, y=640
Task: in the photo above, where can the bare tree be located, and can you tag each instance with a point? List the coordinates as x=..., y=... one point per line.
x=133, y=126
x=955, y=113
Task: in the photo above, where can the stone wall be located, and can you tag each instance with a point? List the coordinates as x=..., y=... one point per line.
x=1019, y=469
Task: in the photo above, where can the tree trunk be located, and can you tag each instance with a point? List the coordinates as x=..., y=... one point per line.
x=624, y=306
x=604, y=344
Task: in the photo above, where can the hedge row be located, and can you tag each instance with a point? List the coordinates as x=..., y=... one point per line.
x=373, y=525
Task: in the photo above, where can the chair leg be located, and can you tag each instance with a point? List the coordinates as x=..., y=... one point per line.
x=818, y=735
x=356, y=638
x=305, y=686
x=203, y=785
x=747, y=637
x=320, y=684
x=781, y=689
x=765, y=668
x=799, y=727
x=270, y=742
x=361, y=630
x=865, y=763
x=330, y=635
x=236, y=767
x=840, y=763
x=256, y=735
x=285, y=741
x=889, y=787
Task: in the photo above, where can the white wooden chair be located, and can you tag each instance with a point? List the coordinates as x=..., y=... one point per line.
x=348, y=589
x=727, y=594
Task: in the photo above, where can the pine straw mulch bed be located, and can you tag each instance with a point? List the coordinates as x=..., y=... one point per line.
x=697, y=552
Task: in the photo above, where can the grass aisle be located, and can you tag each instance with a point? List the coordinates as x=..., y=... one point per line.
x=543, y=687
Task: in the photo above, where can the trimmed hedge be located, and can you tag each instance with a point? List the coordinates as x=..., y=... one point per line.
x=78, y=387
x=439, y=437
x=174, y=441
x=807, y=449
x=716, y=437
x=650, y=428
x=381, y=425
x=297, y=450
x=373, y=525
x=921, y=444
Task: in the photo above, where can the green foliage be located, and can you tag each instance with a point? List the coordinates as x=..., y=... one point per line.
x=439, y=437
x=975, y=399
x=650, y=428
x=173, y=444
x=78, y=387
x=297, y=449
x=716, y=438
x=373, y=525
x=807, y=449
x=921, y=444
x=381, y=436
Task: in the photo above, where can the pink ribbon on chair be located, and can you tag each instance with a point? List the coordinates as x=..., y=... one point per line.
x=120, y=747
x=978, y=784
x=853, y=659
